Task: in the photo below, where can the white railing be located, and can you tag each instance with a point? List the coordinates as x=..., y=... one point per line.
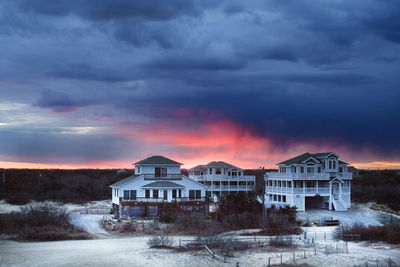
x=298, y=176
x=163, y=177
x=222, y=177
x=306, y=190
x=344, y=175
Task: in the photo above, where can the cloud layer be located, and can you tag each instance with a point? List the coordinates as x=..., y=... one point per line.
x=119, y=80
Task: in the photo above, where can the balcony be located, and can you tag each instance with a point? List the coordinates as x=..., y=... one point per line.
x=163, y=177
x=144, y=200
x=298, y=176
x=306, y=190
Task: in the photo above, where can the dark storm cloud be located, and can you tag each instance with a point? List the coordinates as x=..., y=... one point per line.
x=61, y=102
x=292, y=71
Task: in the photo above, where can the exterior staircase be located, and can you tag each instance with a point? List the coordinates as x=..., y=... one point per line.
x=338, y=204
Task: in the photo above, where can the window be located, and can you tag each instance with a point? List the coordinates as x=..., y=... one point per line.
x=289, y=184
x=301, y=169
x=126, y=194
x=198, y=194
x=155, y=193
x=180, y=193
x=319, y=169
x=132, y=194
x=229, y=173
x=283, y=198
x=274, y=197
x=210, y=170
x=340, y=169
x=279, y=198
x=310, y=169
x=330, y=164
x=282, y=169
x=218, y=171
x=138, y=169
x=160, y=172
x=174, y=193
x=233, y=183
x=192, y=194
x=334, y=164
x=147, y=193
x=165, y=194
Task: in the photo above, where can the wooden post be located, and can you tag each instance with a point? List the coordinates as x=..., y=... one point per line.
x=305, y=254
x=269, y=261
x=347, y=248
x=315, y=251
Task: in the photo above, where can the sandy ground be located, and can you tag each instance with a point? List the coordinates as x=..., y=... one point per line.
x=358, y=213
x=133, y=251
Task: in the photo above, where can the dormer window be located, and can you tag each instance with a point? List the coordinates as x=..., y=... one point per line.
x=138, y=169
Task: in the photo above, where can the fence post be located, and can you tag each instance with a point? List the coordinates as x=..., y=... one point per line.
x=347, y=248
x=315, y=251
x=294, y=257
x=269, y=261
x=281, y=258
x=305, y=254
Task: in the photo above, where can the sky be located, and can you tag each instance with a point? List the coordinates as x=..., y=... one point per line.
x=103, y=84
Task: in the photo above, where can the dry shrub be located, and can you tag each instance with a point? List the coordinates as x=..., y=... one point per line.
x=389, y=233
x=160, y=241
x=280, y=241
x=40, y=222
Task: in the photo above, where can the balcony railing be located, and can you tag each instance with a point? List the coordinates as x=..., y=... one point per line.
x=222, y=177
x=298, y=176
x=160, y=200
x=305, y=190
x=307, y=176
x=163, y=177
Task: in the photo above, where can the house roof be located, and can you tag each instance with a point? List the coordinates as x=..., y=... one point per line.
x=352, y=169
x=158, y=160
x=124, y=181
x=163, y=184
x=215, y=164
x=300, y=159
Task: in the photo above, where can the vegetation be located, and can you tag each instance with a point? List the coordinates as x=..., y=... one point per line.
x=78, y=186
x=160, y=241
x=382, y=187
x=389, y=233
x=40, y=222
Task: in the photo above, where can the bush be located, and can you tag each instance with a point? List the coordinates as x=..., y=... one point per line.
x=389, y=233
x=160, y=241
x=18, y=198
x=279, y=241
x=40, y=222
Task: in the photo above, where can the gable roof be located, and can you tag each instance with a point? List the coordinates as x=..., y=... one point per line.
x=300, y=159
x=163, y=184
x=215, y=164
x=158, y=160
x=124, y=181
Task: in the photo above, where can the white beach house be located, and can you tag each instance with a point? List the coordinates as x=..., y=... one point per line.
x=157, y=182
x=222, y=178
x=310, y=181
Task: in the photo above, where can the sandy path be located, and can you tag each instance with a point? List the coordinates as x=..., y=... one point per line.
x=131, y=251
